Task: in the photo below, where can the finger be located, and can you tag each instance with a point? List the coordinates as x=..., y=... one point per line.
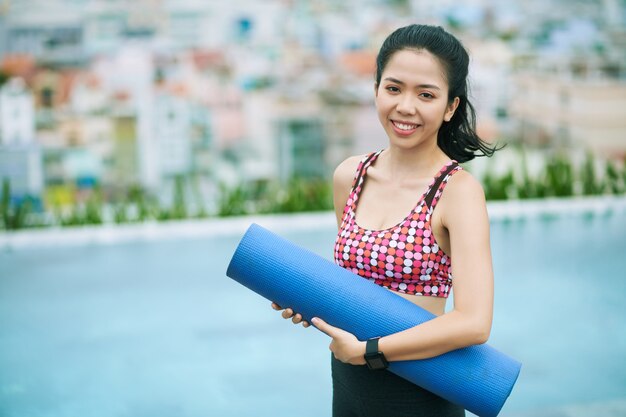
x=276, y=306
x=296, y=319
x=305, y=324
x=287, y=313
x=323, y=326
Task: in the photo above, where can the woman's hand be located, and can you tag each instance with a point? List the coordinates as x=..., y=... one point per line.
x=289, y=314
x=345, y=346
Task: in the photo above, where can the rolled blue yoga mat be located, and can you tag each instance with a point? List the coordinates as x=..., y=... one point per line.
x=478, y=378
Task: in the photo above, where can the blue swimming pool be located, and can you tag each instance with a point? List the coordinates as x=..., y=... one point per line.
x=156, y=329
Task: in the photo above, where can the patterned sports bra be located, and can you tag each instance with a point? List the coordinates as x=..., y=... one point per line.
x=403, y=258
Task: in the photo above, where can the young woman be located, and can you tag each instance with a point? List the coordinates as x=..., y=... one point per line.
x=406, y=215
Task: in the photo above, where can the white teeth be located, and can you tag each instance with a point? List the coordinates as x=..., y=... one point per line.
x=403, y=126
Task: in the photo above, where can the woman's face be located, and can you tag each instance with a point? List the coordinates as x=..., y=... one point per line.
x=412, y=98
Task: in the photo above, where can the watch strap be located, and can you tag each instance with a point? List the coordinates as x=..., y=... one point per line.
x=374, y=359
x=371, y=346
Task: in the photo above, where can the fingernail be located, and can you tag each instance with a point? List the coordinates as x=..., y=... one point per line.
x=315, y=320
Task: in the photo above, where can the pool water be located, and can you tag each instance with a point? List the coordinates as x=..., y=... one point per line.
x=157, y=329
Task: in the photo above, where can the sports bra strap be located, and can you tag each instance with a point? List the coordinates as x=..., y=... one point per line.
x=362, y=167
x=433, y=191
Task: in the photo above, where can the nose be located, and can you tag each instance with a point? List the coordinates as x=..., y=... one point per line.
x=407, y=104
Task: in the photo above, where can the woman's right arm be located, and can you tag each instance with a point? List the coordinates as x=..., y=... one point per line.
x=342, y=183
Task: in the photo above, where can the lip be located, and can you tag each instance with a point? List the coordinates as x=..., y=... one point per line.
x=403, y=132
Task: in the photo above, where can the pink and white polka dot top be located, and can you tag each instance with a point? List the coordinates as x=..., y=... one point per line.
x=404, y=258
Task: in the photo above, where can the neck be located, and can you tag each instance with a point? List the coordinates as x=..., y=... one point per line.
x=409, y=163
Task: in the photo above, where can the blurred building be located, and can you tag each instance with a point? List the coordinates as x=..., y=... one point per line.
x=125, y=163
x=17, y=113
x=142, y=92
x=53, y=34
x=22, y=166
x=20, y=155
x=301, y=146
x=172, y=133
x=108, y=25
x=579, y=104
x=4, y=11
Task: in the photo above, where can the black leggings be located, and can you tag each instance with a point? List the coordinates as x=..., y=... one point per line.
x=359, y=392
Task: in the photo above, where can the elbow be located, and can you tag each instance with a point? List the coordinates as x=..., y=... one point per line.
x=474, y=328
x=482, y=337
x=481, y=334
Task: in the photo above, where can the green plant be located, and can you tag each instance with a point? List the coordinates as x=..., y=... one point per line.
x=93, y=208
x=4, y=77
x=120, y=213
x=624, y=173
x=87, y=213
x=147, y=206
x=5, y=202
x=297, y=195
x=559, y=177
x=614, y=183
x=590, y=185
x=498, y=188
x=304, y=195
x=233, y=201
x=14, y=215
x=179, y=206
x=74, y=218
x=201, y=211
x=528, y=187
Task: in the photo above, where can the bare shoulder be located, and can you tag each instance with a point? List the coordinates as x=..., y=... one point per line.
x=345, y=171
x=342, y=182
x=463, y=189
x=464, y=186
x=463, y=205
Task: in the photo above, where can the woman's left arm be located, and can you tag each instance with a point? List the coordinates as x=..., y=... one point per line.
x=464, y=215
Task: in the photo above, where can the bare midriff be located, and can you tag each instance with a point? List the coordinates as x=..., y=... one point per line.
x=435, y=305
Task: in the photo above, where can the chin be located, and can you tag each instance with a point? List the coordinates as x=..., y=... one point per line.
x=416, y=140
x=405, y=142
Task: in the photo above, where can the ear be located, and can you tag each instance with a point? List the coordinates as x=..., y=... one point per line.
x=451, y=109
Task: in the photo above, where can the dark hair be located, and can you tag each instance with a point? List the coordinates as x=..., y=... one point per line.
x=457, y=138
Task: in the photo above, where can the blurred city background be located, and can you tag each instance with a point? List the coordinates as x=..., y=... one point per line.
x=122, y=114
x=115, y=111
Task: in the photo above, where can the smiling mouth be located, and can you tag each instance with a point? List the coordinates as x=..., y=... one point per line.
x=404, y=126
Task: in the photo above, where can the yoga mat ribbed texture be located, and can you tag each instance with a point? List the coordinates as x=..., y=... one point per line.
x=478, y=378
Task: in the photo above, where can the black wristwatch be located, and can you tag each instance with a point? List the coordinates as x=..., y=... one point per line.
x=375, y=360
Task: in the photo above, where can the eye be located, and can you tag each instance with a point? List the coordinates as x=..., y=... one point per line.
x=392, y=89
x=427, y=95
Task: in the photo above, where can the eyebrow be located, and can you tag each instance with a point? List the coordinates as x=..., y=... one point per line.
x=395, y=80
